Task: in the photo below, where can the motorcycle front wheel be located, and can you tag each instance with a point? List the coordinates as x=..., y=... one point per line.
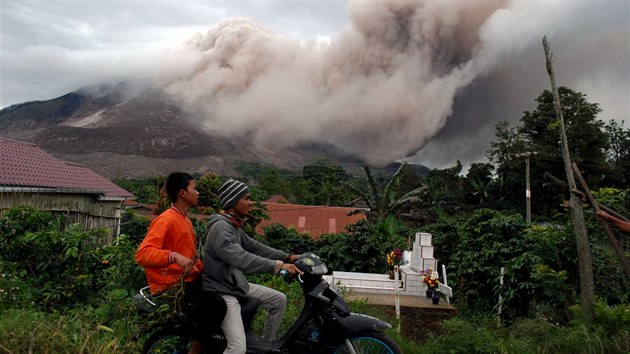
x=167, y=341
x=177, y=340
x=372, y=342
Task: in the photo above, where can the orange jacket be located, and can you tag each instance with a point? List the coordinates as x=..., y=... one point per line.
x=170, y=232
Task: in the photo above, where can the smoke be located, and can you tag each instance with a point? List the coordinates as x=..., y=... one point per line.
x=381, y=90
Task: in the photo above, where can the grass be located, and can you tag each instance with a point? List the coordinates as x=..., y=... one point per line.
x=31, y=331
x=115, y=328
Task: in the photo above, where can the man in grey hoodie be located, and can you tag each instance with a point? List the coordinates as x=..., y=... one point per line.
x=229, y=252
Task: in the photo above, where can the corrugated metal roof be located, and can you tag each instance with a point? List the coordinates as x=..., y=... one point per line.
x=26, y=165
x=316, y=220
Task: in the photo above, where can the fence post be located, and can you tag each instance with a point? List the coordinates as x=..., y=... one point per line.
x=500, y=296
x=448, y=298
x=397, y=297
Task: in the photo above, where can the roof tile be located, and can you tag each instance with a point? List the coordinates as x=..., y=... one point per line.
x=26, y=165
x=316, y=220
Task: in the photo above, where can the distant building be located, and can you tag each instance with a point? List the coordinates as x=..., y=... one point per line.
x=315, y=220
x=31, y=176
x=358, y=203
x=143, y=209
x=277, y=198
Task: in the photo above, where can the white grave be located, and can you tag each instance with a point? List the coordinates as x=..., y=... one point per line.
x=416, y=261
x=422, y=253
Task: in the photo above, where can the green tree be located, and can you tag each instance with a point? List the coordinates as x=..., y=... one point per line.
x=445, y=186
x=537, y=136
x=479, y=183
x=207, y=186
x=504, y=153
x=386, y=201
x=587, y=140
x=326, y=183
x=145, y=190
x=272, y=182
x=618, y=154
x=587, y=143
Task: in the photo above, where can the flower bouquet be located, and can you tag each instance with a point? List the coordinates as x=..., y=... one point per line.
x=431, y=281
x=394, y=258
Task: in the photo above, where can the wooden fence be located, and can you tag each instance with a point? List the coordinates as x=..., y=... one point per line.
x=84, y=209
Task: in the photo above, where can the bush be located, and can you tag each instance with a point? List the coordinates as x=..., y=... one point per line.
x=58, y=264
x=15, y=291
x=287, y=239
x=363, y=248
x=489, y=241
x=49, y=265
x=134, y=226
x=120, y=272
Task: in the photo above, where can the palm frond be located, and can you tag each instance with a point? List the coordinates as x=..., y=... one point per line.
x=391, y=190
x=374, y=195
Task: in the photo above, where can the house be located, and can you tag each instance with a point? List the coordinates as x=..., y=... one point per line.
x=31, y=176
x=315, y=220
x=146, y=210
x=358, y=203
x=277, y=198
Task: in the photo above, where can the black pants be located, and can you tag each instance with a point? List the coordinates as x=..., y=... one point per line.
x=205, y=310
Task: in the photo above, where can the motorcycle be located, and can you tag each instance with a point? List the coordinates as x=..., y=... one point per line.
x=325, y=325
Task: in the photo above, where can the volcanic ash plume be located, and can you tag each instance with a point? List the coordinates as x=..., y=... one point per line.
x=380, y=90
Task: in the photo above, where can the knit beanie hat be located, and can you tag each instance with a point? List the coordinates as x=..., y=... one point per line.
x=231, y=192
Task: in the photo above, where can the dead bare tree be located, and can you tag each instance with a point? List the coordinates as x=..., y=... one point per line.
x=562, y=184
x=585, y=262
x=609, y=234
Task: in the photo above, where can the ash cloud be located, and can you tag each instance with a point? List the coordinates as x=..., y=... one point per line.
x=379, y=90
x=402, y=75
x=424, y=81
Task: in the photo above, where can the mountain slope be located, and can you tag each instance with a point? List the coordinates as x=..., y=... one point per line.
x=118, y=134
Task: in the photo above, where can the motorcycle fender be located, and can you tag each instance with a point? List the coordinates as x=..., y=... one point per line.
x=356, y=322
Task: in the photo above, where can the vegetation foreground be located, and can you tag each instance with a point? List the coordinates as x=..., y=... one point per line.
x=72, y=295
x=81, y=331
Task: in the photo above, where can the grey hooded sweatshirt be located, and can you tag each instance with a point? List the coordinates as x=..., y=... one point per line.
x=229, y=252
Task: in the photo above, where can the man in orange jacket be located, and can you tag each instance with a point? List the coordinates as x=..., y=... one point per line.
x=169, y=257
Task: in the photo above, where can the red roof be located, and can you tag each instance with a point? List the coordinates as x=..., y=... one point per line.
x=25, y=165
x=316, y=220
x=277, y=198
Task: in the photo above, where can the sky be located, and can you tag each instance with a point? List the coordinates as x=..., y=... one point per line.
x=424, y=81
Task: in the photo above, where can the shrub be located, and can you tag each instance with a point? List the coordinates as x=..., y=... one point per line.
x=134, y=226
x=489, y=241
x=287, y=239
x=15, y=291
x=54, y=266
x=120, y=272
x=362, y=249
x=58, y=264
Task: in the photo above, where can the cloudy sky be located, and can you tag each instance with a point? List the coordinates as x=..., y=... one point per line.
x=385, y=80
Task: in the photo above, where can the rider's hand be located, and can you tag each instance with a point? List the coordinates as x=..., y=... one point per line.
x=292, y=269
x=184, y=263
x=292, y=258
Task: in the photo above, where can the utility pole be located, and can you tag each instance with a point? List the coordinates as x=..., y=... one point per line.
x=528, y=192
x=585, y=262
